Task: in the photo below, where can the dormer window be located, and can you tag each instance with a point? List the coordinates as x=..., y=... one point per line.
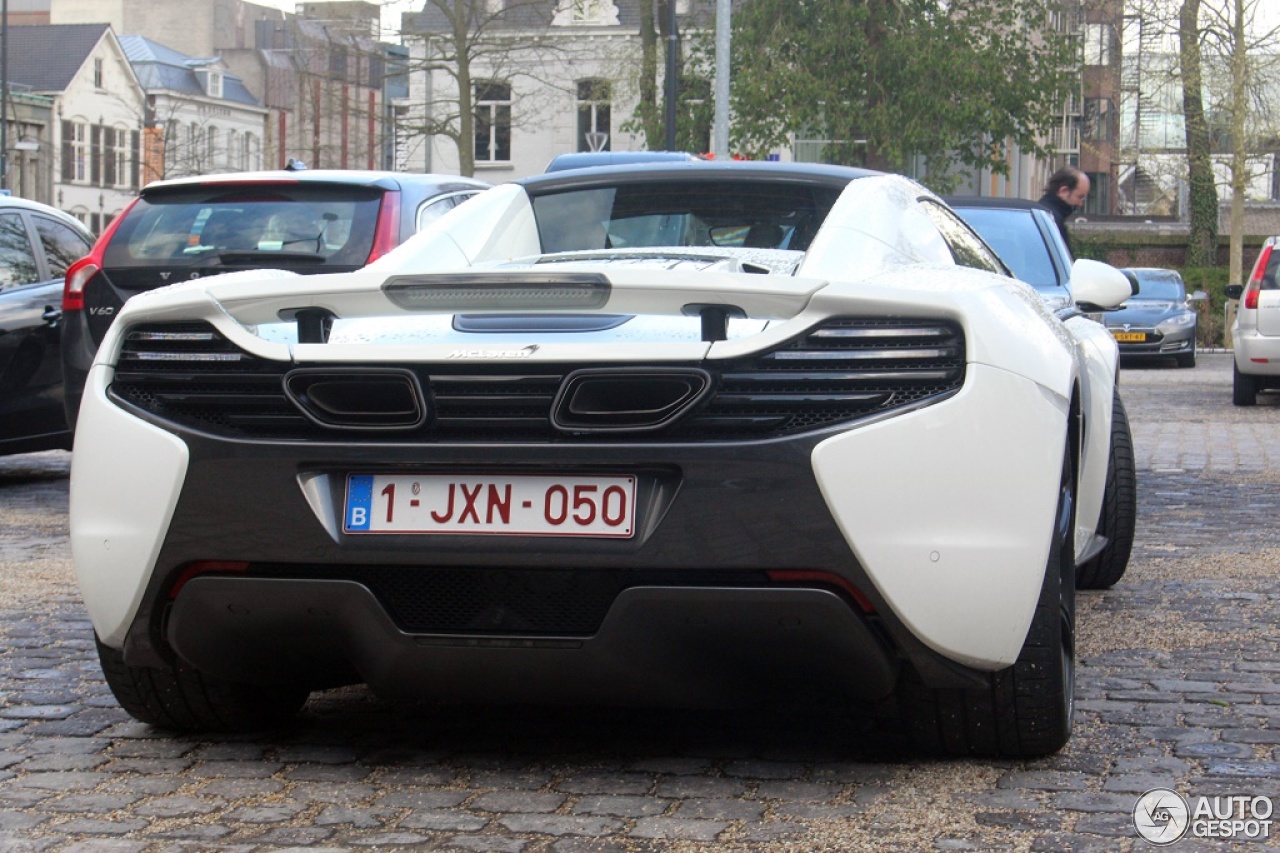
x=212, y=81
x=589, y=13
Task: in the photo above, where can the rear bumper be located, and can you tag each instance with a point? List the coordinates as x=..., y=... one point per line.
x=78, y=351
x=938, y=525
x=1255, y=354
x=685, y=646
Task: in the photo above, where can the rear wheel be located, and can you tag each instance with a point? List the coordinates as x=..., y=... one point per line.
x=1119, y=507
x=1025, y=710
x=1244, y=388
x=184, y=699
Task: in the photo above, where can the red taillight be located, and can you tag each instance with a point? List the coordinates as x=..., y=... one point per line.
x=206, y=567
x=802, y=576
x=79, y=273
x=1255, y=278
x=386, y=235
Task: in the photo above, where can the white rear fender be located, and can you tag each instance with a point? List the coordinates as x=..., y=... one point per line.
x=955, y=534
x=1100, y=354
x=126, y=476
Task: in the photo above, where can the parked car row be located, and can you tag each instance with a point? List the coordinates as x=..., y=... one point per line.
x=324, y=221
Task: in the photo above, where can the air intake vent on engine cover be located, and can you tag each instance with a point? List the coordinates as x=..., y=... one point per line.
x=839, y=371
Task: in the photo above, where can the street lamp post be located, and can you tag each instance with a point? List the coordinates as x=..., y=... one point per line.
x=720, y=127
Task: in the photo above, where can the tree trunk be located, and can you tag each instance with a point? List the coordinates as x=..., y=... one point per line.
x=648, y=109
x=466, y=107
x=1202, y=247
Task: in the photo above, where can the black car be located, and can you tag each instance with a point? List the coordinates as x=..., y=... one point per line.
x=308, y=221
x=1159, y=320
x=37, y=245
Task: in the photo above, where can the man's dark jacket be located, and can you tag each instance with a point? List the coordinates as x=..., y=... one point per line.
x=1060, y=210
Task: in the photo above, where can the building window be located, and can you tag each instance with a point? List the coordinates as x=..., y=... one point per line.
x=80, y=152
x=593, y=116
x=124, y=157
x=109, y=161
x=251, y=154
x=1098, y=119
x=338, y=62
x=1099, y=201
x=97, y=74
x=211, y=80
x=211, y=146
x=195, y=147
x=493, y=122
x=1099, y=44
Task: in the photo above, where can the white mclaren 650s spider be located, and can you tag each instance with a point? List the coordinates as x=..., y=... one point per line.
x=672, y=434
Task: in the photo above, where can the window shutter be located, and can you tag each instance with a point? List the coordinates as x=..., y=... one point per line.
x=95, y=155
x=135, y=148
x=68, y=155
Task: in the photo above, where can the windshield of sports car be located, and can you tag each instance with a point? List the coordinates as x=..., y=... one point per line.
x=739, y=214
x=330, y=226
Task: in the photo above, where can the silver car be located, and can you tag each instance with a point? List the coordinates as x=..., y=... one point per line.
x=1256, y=331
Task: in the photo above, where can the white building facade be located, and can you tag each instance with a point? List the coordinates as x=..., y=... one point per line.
x=561, y=82
x=199, y=118
x=97, y=131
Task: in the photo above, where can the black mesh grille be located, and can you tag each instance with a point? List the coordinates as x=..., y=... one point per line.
x=839, y=371
x=480, y=601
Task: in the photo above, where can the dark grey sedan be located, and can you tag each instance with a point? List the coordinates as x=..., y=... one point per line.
x=1159, y=320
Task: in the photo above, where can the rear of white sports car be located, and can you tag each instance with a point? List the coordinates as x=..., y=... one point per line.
x=663, y=477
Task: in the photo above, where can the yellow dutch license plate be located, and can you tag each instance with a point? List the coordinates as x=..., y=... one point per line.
x=1130, y=337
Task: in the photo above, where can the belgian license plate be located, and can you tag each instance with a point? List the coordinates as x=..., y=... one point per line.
x=1130, y=337
x=517, y=505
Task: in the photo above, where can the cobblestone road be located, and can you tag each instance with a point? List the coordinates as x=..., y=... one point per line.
x=1177, y=685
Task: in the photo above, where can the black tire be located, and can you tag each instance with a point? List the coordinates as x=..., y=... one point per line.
x=1025, y=710
x=1119, y=508
x=184, y=699
x=1189, y=359
x=1244, y=388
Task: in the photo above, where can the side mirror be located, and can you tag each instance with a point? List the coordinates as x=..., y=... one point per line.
x=1096, y=286
x=1234, y=291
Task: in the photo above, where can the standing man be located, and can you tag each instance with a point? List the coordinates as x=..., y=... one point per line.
x=1067, y=189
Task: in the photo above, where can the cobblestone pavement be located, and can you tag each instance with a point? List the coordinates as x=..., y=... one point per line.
x=1176, y=678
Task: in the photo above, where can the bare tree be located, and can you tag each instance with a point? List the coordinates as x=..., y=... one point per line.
x=1240, y=53
x=468, y=48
